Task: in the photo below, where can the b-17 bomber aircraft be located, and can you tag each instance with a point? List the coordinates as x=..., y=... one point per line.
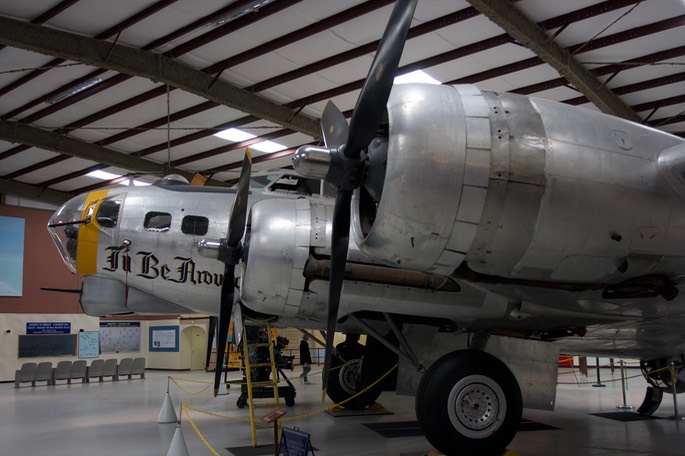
x=473, y=236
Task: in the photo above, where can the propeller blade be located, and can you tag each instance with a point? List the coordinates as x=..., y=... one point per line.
x=370, y=106
x=231, y=256
x=224, y=322
x=340, y=242
x=333, y=126
x=236, y=225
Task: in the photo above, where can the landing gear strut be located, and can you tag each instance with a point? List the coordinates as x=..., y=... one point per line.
x=469, y=403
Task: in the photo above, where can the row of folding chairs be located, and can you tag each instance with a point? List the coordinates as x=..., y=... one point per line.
x=75, y=370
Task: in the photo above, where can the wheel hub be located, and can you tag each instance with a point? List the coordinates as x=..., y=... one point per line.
x=350, y=376
x=477, y=406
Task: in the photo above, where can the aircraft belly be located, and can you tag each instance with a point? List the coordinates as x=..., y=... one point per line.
x=632, y=340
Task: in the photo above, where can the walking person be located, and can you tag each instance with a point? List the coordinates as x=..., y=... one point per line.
x=305, y=359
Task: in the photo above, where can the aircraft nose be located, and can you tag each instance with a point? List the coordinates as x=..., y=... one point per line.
x=64, y=226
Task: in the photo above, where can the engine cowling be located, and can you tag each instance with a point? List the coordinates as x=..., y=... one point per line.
x=436, y=179
x=273, y=279
x=518, y=187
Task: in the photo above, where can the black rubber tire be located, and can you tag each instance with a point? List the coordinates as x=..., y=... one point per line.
x=473, y=376
x=337, y=393
x=289, y=401
x=241, y=403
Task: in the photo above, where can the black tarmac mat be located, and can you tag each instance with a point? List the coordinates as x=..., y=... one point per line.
x=412, y=429
x=626, y=416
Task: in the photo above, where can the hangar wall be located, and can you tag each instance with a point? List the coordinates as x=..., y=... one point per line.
x=43, y=267
x=13, y=325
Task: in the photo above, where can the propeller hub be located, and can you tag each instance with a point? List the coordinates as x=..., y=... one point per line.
x=331, y=165
x=229, y=254
x=312, y=161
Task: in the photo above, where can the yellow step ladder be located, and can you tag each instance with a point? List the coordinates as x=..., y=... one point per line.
x=264, y=341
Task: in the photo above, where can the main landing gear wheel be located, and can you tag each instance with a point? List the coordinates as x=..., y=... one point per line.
x=344, y=381
x=469, y=403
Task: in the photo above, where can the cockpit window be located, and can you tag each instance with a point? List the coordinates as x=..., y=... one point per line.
x=108, y=213
x=195, y=224
x=157, y=221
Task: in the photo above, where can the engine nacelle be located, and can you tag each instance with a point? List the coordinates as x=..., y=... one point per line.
x=279, y=239
x=518, y=187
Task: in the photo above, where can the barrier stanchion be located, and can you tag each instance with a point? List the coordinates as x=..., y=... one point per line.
x=624, y=382
x=167, y=414
x=674, y=380
x=178, y=444
x=599, y=383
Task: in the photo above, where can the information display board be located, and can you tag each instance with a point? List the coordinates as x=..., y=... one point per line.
x=88, y=344
x=164, y=339
x=119, y=336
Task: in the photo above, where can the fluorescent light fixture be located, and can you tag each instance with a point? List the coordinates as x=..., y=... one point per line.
x=74, y=90
x=416, y=76
x=104, y=175
x=268, y=146
x=235, y=135
x=232, y=15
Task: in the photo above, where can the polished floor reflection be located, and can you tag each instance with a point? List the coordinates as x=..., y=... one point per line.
x=120, y=418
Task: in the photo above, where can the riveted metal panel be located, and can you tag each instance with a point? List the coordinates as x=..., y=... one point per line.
x=516, y=186
x=462, y=236
x=471, y=204
x=449, y=258
x=477, y=167
x=317, y=236
x=478, y=133
x=466, y=90
x=526, y=140
x=474, y=104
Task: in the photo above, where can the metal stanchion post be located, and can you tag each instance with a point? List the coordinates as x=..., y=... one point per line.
x=599, y=382
x=674, y=379
x=623, y=388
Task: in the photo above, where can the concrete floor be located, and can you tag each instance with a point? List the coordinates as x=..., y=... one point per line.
x=120, y=418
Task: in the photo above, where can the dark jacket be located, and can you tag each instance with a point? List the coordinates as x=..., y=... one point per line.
x=305, y=356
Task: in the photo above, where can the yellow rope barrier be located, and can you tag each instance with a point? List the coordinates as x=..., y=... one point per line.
x=217, y=415
x=197, y=431
x=190, y=380
x=174, y=379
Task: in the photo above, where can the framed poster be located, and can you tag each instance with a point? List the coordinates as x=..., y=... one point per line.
x=164, y=339
x=12, y=248
x=88, y=344
x=119, y=336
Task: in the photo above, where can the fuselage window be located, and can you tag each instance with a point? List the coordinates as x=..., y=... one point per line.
x=157, y=221
x=108, y=213
x=195, y=224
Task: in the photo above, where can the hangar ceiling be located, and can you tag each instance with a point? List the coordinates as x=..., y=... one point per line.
x=144, y=86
